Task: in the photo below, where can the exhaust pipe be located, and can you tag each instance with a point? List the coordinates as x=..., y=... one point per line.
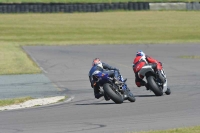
x=120, y=88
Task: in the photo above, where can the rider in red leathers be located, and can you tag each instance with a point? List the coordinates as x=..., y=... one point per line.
x=141, y=60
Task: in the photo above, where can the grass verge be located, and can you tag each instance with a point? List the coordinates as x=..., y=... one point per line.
x=7, y=102
x=62, y=100
x=194, y=129
x=190, y=57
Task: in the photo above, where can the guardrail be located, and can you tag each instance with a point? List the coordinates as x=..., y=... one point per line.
x=92, y=7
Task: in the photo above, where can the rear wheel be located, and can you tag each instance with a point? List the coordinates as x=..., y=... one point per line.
x=153, y=86
x=113, y=93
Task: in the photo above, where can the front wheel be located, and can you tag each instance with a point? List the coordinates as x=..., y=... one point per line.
x=168, y=92
x=131, y=98
x=153, y=86
x=130, y=95
x=113, y=93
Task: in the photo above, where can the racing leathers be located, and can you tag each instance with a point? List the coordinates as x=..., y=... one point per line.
x=141, y=61
x=111, y=71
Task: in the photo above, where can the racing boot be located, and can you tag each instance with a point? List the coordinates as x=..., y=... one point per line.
x=97, y=92
x=98, y=95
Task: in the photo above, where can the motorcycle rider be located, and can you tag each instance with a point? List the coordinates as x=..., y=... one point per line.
x=105, y=68
x=141, y=60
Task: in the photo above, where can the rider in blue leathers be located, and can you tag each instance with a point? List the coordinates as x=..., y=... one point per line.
x=105, y=68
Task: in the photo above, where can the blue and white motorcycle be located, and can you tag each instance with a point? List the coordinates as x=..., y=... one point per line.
x=118, y=92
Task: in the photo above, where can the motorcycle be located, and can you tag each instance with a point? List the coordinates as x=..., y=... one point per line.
x=156, y=82
x=111, y=90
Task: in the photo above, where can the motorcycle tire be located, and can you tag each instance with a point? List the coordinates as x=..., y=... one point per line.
x=131, y=97
x=106, y=97
x=153, y=86
x=168, y=92
x=112, y=93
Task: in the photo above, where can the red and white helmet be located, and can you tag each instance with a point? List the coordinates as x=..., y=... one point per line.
x=97, y=62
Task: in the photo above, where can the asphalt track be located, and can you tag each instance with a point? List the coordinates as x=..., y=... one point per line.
x=68, y=66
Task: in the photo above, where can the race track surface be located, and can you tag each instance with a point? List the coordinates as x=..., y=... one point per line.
x=68, y=66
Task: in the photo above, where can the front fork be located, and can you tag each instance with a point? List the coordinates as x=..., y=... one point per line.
x=165, y=86
x=161, y=84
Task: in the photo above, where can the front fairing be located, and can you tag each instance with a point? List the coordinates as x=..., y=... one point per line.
x=98, y=76
x=93, y=69
x=103, y=79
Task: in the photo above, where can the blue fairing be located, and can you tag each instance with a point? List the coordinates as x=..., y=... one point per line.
x=92, y=70
x=103, y=77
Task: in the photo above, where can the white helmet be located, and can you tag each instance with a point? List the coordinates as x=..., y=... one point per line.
x=142, y=55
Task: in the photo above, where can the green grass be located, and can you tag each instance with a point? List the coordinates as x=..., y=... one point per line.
x=14, y=61
x=190, y=57
x=15, y=101
x=62, y=100
x=91, y=1
x=195, y=129
x=7, y=102
x=90, y=28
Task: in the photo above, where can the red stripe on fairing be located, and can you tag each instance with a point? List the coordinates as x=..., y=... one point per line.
x=159, y=67
x=137, y=59
x=139, y=66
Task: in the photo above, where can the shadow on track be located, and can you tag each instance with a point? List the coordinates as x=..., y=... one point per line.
x=95, y=104
x=145, y=96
